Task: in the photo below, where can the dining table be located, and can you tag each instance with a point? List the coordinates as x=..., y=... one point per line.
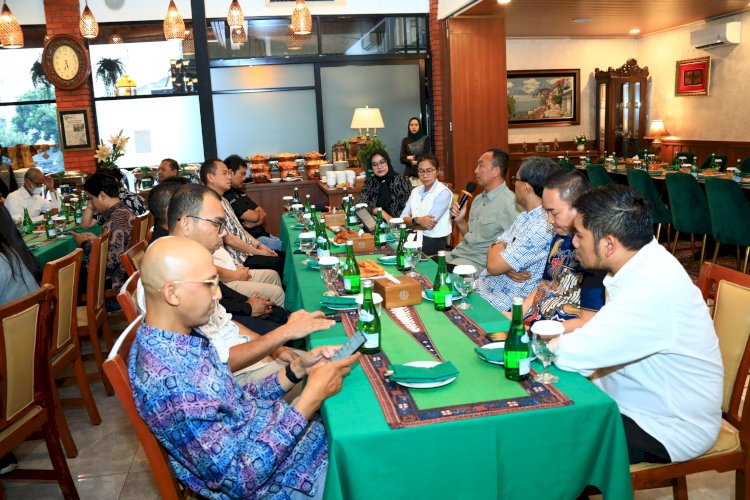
x=46, y=250
x=481, y=435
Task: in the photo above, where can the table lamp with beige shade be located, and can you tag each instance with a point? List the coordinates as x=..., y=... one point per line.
x=656, y=131
x=367, y=118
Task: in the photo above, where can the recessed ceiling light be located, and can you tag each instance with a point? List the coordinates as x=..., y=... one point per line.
x=503, y=2
x=581, y=19
x=635, y=31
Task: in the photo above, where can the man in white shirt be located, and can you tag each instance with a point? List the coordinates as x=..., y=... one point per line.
x=652, y=347
x=29, y=196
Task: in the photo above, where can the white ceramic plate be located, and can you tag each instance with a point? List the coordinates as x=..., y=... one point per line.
x=493, y=345
x=456, y=297
x=292, y=179
x=425, y=385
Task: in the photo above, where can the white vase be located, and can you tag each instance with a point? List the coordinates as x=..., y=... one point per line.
x=581, y=147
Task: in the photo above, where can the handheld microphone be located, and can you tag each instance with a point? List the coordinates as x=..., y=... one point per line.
x=466, y=194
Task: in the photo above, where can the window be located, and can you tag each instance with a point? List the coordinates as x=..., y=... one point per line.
x=262, y=38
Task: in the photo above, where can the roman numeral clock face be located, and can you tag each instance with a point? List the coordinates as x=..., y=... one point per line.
x=65, y=62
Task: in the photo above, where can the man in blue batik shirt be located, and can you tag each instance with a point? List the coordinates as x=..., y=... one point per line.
x=223, y=440
x=515, y=261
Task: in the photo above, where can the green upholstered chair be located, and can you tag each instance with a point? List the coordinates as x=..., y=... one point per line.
x=598, y=175
x=730, y=216
x=640, y=180
x=724, y=159
x=745, y=166
x=690, y=212
x=567, y=165
x=688, y=157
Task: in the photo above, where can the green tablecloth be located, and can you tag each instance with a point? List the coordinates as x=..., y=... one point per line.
x=48, y=250
x=545, y=453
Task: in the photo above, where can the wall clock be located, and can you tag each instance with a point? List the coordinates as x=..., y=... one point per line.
x=65, y=62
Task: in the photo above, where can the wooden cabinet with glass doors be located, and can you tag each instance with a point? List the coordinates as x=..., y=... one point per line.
x=621, y=106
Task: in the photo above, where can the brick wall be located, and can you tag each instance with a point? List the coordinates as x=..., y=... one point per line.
x=62, y=18
x=437, y=45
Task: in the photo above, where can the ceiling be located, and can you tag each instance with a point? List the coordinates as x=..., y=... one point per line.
x=609, y=18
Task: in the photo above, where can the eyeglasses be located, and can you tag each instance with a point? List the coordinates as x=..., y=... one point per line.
x=427, y=171
x=514, y=179
x=213, y=283
x=381, y=163
x=221, y=224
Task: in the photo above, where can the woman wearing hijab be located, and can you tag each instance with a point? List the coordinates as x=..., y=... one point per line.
x=385, y=188
x=413, y=146
x=428, y=208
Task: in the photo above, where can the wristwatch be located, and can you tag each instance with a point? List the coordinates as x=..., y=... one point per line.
x=291, y=375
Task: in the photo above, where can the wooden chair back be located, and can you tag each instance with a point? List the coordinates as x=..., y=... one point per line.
x=62, y=274
x=116, y=368
x=712, y=274
x=141, y=224
x=131, y=259
x=24, y=362
x=128, y=297
x=97, y=274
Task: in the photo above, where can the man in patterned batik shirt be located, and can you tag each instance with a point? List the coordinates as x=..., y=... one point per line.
x=567, y=292
x=516, y=260
x=223, y=440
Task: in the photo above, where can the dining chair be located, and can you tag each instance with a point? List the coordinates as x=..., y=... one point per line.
x=116, y=368
x=149, y=234
x=27, y=403
x=745, y=166
x=128, y=297
x=712, y=274
x=730, y=217
x=598, y=175
x=730, y=451
x=92, y=317
x=131, y=259
x=724, y=159
x=640, y=180
x=65, y=349
x=567, y=165
x=689, y=207
x=141, y=225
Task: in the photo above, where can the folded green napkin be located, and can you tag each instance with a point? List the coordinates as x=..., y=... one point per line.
x=413, y=374
x=338, y=301
x=313, y=264
x=391, y=259
x=495, y=355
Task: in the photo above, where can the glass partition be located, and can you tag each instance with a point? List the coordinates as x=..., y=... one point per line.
x=258, y=38
x=368, y=35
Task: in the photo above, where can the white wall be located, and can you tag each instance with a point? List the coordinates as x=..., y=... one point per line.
x=586, y=55
x=723, y=115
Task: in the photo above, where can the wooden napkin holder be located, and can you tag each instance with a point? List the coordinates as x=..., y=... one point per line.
x=363, y=245
x=337, y=219
x=408, y=293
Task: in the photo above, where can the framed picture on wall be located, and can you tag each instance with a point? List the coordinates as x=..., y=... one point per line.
x=692, y=76
x=75, y=129
x=543, y=98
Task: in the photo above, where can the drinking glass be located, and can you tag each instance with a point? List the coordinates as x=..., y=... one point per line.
x=59, y=224
x=298, y=211
x=307, y=244
x=545, y=341
x=287, y=201
x=393, y=226
x=463, y=282
x=329, y=273
x=412, y=255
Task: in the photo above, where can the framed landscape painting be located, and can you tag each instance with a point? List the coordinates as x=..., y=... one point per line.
x=691, y=76
x=544, y=98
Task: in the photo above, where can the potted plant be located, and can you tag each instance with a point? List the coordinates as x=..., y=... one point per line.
x=366, y=151
x=109, y=71
x=581, y=141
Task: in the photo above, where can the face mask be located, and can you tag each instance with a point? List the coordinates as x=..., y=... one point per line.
x=38, y=190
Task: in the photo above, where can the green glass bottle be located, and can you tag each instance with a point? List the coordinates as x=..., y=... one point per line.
x=442, y=286
x=351, y=217
x=49, y=226
x=295, y=199
x=400, y=254
x=714, y=166
x=28, y=226
x=324, y=247
x=517, y=356
x=308, y=205
x=369, y=321
x=344, y=200
x=380, y=234
x=351, y=270
x=78, y=212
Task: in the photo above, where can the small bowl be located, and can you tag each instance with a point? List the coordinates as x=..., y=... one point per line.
x=275, y=179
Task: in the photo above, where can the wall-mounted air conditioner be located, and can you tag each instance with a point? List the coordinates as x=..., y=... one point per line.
x=716, y=35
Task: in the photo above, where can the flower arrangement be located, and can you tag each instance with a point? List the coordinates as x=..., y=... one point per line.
x=107, y=155
x=580, y=139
